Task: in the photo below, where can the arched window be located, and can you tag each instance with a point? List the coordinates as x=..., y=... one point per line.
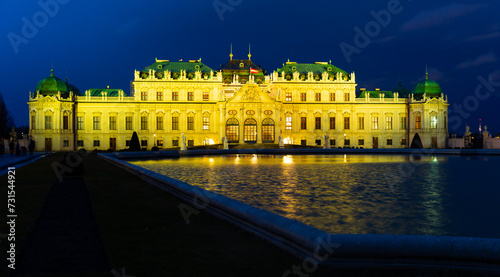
x=268, y=130
x=250, y=130
x=232, y=130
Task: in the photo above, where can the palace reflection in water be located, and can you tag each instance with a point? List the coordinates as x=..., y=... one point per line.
x=354, y=194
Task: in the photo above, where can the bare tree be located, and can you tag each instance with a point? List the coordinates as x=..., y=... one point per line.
x=6, y=120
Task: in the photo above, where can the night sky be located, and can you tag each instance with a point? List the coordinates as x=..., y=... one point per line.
x=100, y=43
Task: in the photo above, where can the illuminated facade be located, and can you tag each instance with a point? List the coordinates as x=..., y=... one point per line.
x=304, y=103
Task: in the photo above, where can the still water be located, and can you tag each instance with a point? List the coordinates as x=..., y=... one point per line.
x=357, y=194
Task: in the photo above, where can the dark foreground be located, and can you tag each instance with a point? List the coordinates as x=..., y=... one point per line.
x=107, y=222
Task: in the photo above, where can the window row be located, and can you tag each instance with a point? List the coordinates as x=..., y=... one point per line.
x=175, y=96
x=317, y=97
x=361, y=123
x=96, y=123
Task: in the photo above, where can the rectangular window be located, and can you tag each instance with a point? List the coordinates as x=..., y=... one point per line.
x=175, y=142
x=433, y=122
x=48, y=122
x=97, y=143
x=175, y=96
x=347, y=96
x=332, y=142
x=144, y=143
x=175, y=123
x=303, y=123
x=388, y=123
x=159, y=123
x=288, y=123
x=361, y=123
x=33, y=122
x=347, y=126
x=389, y=141
x=403, y=141
x=128, y=123
x=79, y=143
x=65, y=143
x=347, y=142
x=190, y=143
x=303, y=96
x=79, y=122
x=144, y=96
x=288, y=97
x=317, y=123
x=332, y=96
x=190, y=121
x=418, y=122
x=159, y=96
x=402, y=122
x=112, y=122
x=65, y=122
x=97, y=123
x=190, y=96
x=374, y=123
x=303, y=142
x=317, y=96
x=206, y=123
x=318, y=142
x=332, y=123
x=159, y=143
x=361, y=142
x=206, y=96
x=144, y=122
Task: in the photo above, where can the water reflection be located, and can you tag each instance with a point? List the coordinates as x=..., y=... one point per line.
x=336, y=193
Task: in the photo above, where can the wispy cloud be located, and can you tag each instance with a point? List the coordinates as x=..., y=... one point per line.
x=487, y=58
x=483, y=37
x=434, y=17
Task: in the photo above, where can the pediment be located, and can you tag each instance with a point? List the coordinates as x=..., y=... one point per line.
x=250, y=93
x=48, y=99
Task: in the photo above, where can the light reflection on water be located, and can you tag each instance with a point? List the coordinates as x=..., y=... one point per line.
x=351, y=193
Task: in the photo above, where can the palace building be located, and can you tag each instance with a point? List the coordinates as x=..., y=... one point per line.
x=303, y=103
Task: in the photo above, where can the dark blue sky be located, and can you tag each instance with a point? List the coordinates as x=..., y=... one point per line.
x=100, y=43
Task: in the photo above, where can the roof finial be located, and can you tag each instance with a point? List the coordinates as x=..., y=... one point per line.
x=231, y=54
x=51, y=68
x=426, y=73
x=249, y=55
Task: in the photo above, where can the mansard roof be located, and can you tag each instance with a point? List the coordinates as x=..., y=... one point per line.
x=315, y=68
x=376, y=93
x=190, y=66
x=111, y=92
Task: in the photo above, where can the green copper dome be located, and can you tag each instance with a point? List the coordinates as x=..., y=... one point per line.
x=429, y=87
x=51, y=85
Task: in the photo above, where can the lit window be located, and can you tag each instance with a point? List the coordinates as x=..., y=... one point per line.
x=418, y=122
x=403, y=141
x=206, y=96
x=375, y=123
x=190, y=96
x=388, y=123
x=288, y=123
x=159, y=143
x=288, y=97
x=433, y=122
x=206, y=123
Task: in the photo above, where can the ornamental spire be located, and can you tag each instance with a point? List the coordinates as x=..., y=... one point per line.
x=426, y=73
x=231, y=54
x=249, y=55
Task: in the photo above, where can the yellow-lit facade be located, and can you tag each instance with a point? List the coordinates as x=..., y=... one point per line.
x=301, y=107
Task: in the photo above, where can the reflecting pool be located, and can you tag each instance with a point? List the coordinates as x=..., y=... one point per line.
x=357, y=194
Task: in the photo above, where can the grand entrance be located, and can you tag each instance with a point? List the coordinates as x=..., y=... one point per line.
x=268, y=130
x=48, y=144
x=233, y=130
x=250, y=131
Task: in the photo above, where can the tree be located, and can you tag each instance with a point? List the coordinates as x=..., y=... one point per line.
x=134, y=143
x=6, y=120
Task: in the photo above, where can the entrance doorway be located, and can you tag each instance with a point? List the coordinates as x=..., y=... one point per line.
x=375, y=142
x=48, y=144
x=268, y=130
x=112, y=144
x=232, y=130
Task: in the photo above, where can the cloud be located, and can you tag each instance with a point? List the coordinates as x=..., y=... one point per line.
x=430, y=18
x=483, y=37
x=487, y=58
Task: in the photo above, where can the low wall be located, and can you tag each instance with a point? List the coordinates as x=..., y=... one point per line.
x=331, y=250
